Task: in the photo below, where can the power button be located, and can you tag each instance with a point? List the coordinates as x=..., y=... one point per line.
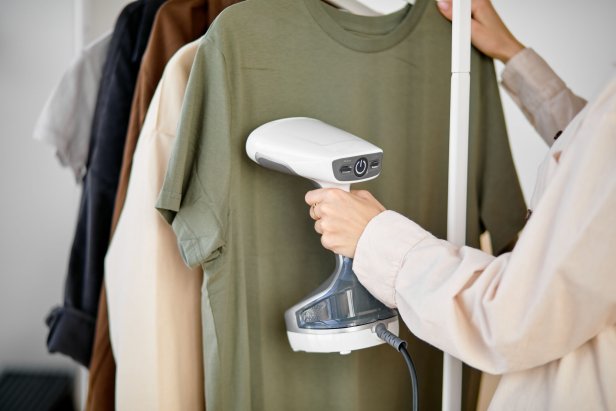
x=361, y=166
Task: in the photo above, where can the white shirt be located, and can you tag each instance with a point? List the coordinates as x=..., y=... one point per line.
x=66, y=119
x=543, y=315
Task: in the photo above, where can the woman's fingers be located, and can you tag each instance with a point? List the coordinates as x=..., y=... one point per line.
x=444, y=7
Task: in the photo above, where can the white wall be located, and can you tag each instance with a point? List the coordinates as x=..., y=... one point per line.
x=38, y=200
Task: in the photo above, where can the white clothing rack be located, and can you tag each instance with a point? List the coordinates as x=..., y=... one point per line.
x=458, y=168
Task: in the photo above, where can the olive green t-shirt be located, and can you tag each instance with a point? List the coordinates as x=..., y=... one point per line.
x=385, y=79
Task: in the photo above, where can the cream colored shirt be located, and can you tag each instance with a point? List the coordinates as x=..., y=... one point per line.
x=543, y=315
x=154, y=299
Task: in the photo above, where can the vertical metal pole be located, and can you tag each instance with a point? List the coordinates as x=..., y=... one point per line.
x=458, y=166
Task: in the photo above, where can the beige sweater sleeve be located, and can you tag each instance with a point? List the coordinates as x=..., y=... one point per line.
x=543, y=97
x=520, y=310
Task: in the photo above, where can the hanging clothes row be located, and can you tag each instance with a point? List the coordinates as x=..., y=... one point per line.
x=176, y=23
x=72, y=325
x=213, y=336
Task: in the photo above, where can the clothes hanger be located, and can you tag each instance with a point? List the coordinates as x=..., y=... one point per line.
x=370, y=7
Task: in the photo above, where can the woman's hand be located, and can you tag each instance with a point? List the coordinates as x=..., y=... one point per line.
x=488, y=32
x=341, y=217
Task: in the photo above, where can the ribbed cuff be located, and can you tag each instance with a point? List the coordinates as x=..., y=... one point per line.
x=381, y=251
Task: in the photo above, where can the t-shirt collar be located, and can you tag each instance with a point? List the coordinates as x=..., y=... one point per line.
x=366, y=33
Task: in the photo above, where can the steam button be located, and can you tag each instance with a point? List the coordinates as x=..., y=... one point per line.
x=345, y=169
x=361, y=166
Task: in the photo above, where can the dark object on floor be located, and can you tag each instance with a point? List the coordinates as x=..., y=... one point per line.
x=36, y=391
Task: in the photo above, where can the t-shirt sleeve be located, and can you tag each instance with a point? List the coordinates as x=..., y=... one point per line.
x=502, y=208
x=194, y=196
x=66, y=119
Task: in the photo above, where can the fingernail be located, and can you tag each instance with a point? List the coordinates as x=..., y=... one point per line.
x=443, y=5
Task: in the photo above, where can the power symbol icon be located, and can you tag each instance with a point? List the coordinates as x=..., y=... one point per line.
x=361, y=166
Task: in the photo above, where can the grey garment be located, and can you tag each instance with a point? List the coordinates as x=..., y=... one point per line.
x=66, y=119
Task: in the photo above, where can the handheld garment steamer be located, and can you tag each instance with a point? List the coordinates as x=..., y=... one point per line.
x=341, y=315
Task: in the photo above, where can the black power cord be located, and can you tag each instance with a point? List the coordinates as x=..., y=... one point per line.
x=400, y=345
